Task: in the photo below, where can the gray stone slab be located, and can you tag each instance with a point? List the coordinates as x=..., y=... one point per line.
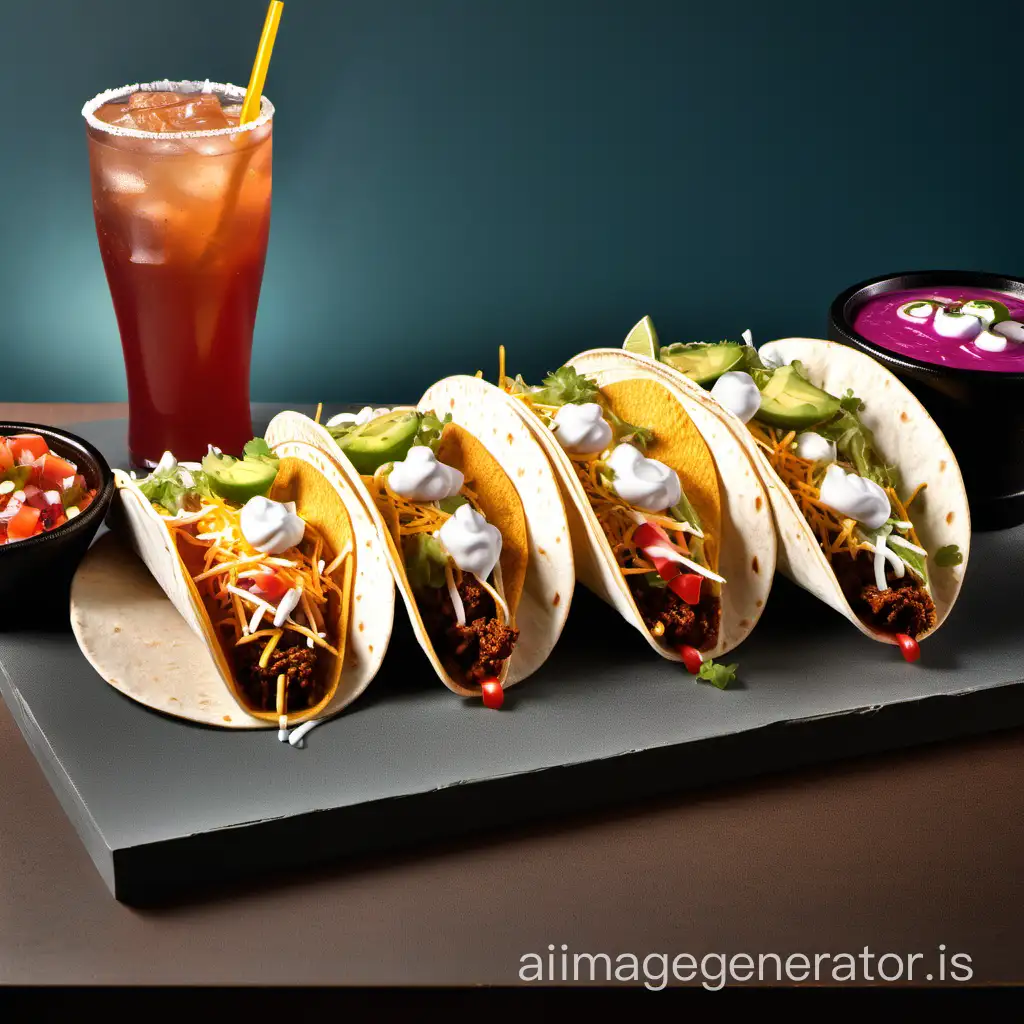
x=163, y=805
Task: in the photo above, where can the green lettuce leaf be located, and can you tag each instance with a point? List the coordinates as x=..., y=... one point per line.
x=449, y=505
x=425, y=561
x=258, y=448
x=430, y=428
x=948, y=556
x=169, y=490
x=566, y=387
x=717, y=675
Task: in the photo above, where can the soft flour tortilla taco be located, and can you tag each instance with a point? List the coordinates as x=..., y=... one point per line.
x=870, y=505
x=670, y=522
x=259, y=556
x=456, y=531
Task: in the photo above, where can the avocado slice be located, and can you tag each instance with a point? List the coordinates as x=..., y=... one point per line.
x=238, y=480
x=703, y=362
x=790, y=401
x=385, y=439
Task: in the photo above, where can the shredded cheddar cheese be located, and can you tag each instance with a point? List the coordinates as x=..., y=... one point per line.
x=228, y=559
x=834, y=531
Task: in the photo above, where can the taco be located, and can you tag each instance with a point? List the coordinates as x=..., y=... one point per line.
x=456, y=531
x=669, y=519
x=258, y=554
x=870, y=506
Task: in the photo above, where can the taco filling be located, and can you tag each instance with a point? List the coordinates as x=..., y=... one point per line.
x=654, y=532
x=852, y=500
x=449, y=551
x=266, y=576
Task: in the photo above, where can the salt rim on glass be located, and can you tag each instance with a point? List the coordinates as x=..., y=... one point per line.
x=227, y=90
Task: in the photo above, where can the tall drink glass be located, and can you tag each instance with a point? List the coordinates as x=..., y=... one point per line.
x=181, y=195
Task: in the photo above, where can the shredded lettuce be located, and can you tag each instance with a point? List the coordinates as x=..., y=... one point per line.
x=717, y=675
x=168, y=489
x=567, y=387
x=425, y=561
x=948, y=556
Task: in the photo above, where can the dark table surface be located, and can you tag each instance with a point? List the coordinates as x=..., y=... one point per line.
x=900, y=853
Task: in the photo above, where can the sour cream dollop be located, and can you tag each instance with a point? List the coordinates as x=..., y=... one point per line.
x=473, y=543
x=855, y=496
x=364, y=415
x=643, y=482
x=270, y=526
x=810, y=445
x=422, y=478
x=582, y=429
x=737, y=392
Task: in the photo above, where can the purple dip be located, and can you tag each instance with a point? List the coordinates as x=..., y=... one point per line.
x=878, y=321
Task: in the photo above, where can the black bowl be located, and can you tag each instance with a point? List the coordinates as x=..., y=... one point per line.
x=981, y=412
x=35, y=574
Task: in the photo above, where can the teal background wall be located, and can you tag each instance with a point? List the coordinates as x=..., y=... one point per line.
x=450, y=175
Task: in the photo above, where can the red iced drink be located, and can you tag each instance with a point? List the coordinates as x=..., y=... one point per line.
x=181, y=195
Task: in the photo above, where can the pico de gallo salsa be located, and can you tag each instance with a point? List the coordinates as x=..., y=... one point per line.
x=39, y=490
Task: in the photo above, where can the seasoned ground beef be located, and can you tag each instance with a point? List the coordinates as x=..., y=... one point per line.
x=694, y=625
x=904, y=607
x=293, y=658
x=475, y=651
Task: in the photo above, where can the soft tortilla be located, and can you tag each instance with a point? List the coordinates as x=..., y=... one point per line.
x=748, y=548
x=906, y=435
x=511, y=520
x=363, y=618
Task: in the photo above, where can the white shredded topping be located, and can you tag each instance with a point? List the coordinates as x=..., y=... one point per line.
x=453, y=592
x=297, y=734
x=257, y=618
x=903, y=542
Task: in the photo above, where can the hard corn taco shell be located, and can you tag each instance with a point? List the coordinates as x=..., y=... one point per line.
x=358, y=624
x=718, y=478
x=498, y=500
x=906, y=436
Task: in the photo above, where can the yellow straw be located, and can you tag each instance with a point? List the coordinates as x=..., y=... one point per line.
x=258, y=78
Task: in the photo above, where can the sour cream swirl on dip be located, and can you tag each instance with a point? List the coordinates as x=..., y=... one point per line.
x=962, y=328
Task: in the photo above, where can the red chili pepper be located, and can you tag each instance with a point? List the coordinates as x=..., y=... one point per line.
x=492, y=693
x=909, y=647
x=686, y=586
x=692, y=658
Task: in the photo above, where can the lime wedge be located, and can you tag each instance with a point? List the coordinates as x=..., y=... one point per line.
x=643, y=339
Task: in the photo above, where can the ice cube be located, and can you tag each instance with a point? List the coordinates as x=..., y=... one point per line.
x=148, y=227
x=173, y=112
x=205, y=179
x=116, y=114
x=124, y=180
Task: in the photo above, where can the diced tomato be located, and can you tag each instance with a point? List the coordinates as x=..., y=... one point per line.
x=692, y=658
x=33, y=443
x=909, y=647
x=6, y=457
x=686, y=586
x=492, y=693
x=56, y=470
x=270, y=585
x=24, y=524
